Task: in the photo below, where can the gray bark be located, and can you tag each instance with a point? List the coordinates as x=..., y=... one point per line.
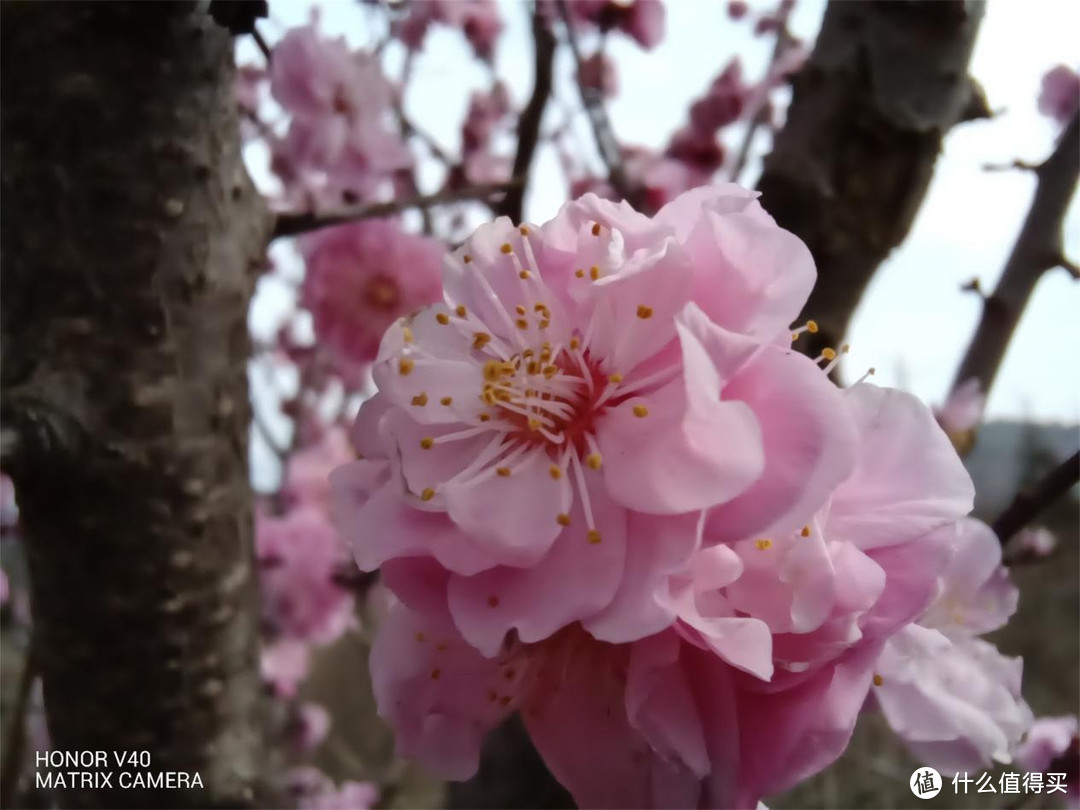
x=130, y=239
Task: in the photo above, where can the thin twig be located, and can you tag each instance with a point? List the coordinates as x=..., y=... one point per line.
x=1015, y=165
x=1029, y=503
x=13, y=743
x=592, y=99
x=528, y=135
x=1036, y=250
x=292, y=224
x=266, y=52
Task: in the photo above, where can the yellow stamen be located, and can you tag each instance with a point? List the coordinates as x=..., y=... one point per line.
x=594, y=272
x=427, y=494
x=764, y=544
x=466, y=258
x=480, y=340
x=506, y=248
x=828, y=354
x=878, y=680
x=446, y=401
x=812, y=327
x=596, y=229
x=550, y=371
x=519, y=309
x=574, y=343
x=492, y=370
x=562, y=519
x=484, y=417
x=460, y=310
x=524, y=230
x=555, y=472
x=640, y=411
x=405, y=366
x=644, y=312
x=521, y=323
x=524, y=275
x=594, y=460
x=593, y=536
x=406, y=333
x=443, y=318
x=420, y=400
x=615, y=378
x=579, y=273
x=427, y=442
x=534, y=424
x=503, y=471
x=794, y=336
x=805, y=531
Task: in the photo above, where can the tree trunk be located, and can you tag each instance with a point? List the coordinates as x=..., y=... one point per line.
x=869, y=111
x=130, y=239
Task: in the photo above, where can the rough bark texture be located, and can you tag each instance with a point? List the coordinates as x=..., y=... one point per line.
x=130, y=238
x=869, y=111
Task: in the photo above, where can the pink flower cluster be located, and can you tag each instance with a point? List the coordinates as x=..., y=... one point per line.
x=1059, y=97
x=611, y=497
x=641, y=20
x=478, y=20
x=342, y=141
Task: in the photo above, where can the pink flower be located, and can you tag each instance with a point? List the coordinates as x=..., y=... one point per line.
x=309, y=727
x=655, y=723
x=599, y=73
x=361, y=277
x=642, y=20
x=587, y=389
x=299, y=556
x=1038, y=541
x=1060, y=95
x=284, y=665
x=486, y=112
x=1052, y=744
x=479, y=20
x=723, y=103
x=307, y=476
x=963, y=410
x=952, y=697
x=313, y=790
x=9, y=507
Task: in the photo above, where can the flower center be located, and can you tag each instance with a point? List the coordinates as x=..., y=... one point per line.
x=381, y=293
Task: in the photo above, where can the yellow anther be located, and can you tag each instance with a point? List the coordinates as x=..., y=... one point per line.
x=764, y=544
x=794, y=336
x=427, y=442
x=446, y=401
x=435, y=673
x=828, y=354
x=615, y=378
x=521, y=323
x=595, y=461
x=503, y=471
x=466, y=258
x=644, y=312
x=460, y=310
x=545, y=355
x=878, y=680
x=574, y=343
x=519, y=309
x=550, y=371
x=845, y=348
x=812, y=327
x=640, y=411
x=596, y=229
x=544, y=324
x=484, y=417
x=420, y=400
x=527, y=353
x=406, y=334
x=594, y=536
x=480, y=340
x=492, y=370
x=534, y=424
x=594, y=272
x=533, y=367
x=540, y=308
x=562, y=519
x=443, y=318
x=405, y=366
x=524, y=275
x=555, y=472
x=427, y=494
x=805, y=531
x=524, y=230
x=579, y=273
x=506, y=248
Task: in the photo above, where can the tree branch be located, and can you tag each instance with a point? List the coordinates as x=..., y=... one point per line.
x=293, y=224
x=16, y=736
x=529, y=122
x=1029, y=503
x=1038, y=248
x=851, y=166
x=593, y=101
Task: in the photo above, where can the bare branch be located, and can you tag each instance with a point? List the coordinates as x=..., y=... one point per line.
x=1068, y=265
x=293, y=224
x=267, y=53
x=592, y=100
x=1015, y=165
x=16, y=736
x=1038, y=248
x=529, y=123
x=1029, y=503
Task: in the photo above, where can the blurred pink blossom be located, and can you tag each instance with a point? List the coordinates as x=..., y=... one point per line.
x=1052, y=744
x=1037, y=541
x=309, y=727
x=314, y=790
x=1060, y=94
x=307, y=474
x=963, y=409
x=479, y=21
x=284, y=665
x=642, y=20
x=952, y=697
x=361, y=277
x=299, y=555
x=599, y=73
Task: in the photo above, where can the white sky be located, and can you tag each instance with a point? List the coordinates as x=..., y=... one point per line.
x=914, y=323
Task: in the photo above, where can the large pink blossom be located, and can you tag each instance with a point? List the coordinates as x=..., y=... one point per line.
x=952, y=697
x=552, y=432
x=299, y=555
x=361, y=277
x=1052, y=744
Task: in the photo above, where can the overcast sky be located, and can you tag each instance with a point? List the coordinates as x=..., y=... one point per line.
x=914, y=322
